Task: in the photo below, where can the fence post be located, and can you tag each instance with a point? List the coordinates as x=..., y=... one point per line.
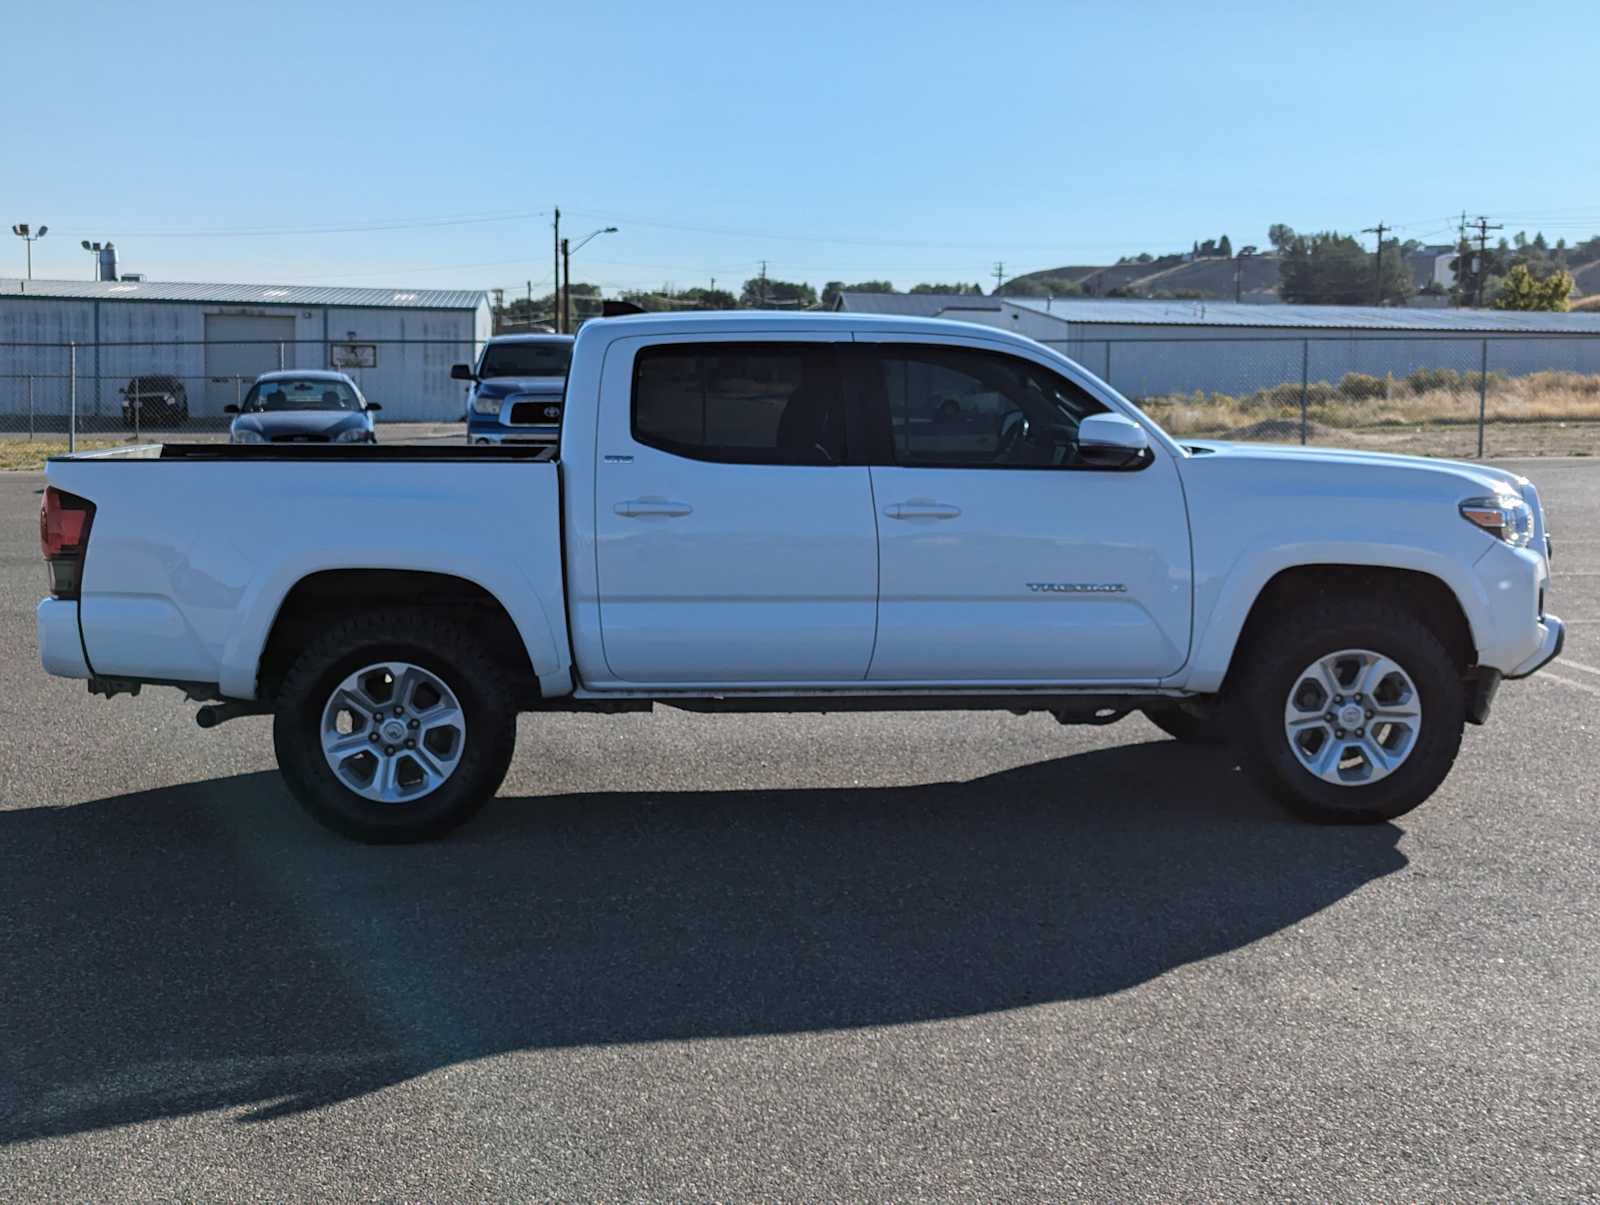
x=1483, y=392
x=72, y=397
x=236, y=389
x=1106, y=377
x=138, y=405
x=1305, y=385
x=280, y=355
x=30, y=405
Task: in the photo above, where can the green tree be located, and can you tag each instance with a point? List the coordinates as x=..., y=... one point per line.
x=708, y=299
x=1280, y=236
x=1330, y=268
x=831, y=290
x=972, y=290
x=1522, y=290
x=759, y=294
x=1224, y=247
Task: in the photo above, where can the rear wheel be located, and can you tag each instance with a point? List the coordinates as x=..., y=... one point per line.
x=394, y=725
x=1354, y=714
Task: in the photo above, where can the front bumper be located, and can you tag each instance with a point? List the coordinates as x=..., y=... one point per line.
x=505, y=433
x=1554, y=637
x=60, y=642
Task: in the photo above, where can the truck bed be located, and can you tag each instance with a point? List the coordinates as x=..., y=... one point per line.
x=194, y=547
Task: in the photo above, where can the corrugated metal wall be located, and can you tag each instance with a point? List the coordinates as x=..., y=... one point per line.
x=412, y=380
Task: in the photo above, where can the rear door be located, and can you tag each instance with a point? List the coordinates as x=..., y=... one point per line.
x=735, y=536
x=1002, y=557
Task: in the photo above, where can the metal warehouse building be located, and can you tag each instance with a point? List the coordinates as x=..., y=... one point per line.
x=1148, y=348
x=397, y=344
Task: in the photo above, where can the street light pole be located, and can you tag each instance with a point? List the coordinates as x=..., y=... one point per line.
x=23, y=231
x=566, y=272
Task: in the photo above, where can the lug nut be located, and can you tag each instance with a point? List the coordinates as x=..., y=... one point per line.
x=410, y=744
x=1357, y=698
x=1338, y=698
x=399, y=711
x=1361, y=732
x=1338, y=733
x=1369, y=715
x=373, y=737
x=1329, y=717
x=413, y=723
x=388, y=749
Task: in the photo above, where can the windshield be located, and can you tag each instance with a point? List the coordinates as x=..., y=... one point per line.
x=307, y=394
x=526, y=360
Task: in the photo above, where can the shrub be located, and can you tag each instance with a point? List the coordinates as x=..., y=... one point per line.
x=1359, y=387
x=1424, y=380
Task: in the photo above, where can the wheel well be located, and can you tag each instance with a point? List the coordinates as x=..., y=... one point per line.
x=343, y=592
x=1422, y=593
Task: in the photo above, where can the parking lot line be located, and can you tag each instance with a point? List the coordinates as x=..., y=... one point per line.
x=1548, y=676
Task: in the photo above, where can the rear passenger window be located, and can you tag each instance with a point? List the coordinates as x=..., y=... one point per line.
x=745, y=403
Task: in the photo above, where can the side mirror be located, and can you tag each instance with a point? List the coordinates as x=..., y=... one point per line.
x=462, y=372
x=1110, y=441
x=230, y=409
x=374, y=406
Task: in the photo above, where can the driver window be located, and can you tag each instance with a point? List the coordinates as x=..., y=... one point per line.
x=962, y=408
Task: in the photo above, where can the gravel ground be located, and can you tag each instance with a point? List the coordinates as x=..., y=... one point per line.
x=807, y=957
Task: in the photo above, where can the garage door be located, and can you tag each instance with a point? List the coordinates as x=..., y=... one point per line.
x=239, y=348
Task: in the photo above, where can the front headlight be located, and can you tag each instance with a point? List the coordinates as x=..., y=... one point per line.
x=246, y=436
x=486, y=405
x=1504, y=516
x=352, y=435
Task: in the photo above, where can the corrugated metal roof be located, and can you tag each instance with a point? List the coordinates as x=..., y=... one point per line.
x=921, y=305
x=1325, y=317
x=226, y=294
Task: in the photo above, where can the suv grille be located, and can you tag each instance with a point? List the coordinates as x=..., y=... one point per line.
x=536, y=413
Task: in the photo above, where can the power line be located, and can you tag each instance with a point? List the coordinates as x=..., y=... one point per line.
x=377, y=225
x=999, y=275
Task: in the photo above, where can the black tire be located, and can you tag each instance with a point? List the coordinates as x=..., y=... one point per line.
x=1272, y=663
x=435, y=643
x=1207, y=733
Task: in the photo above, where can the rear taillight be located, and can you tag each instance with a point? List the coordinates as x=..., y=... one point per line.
x=64, y=521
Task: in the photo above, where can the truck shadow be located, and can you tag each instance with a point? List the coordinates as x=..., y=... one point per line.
x=205, y=947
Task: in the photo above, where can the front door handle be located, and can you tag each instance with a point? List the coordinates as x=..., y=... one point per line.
x=652, y=508
x=921, y=508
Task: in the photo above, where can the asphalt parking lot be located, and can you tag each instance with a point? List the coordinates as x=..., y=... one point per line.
x=798, y=957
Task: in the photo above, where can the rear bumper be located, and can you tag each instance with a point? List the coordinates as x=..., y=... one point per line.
x=60, y=642
x=1553, y=639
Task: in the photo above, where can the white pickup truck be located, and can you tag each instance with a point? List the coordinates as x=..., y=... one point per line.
x=804, y=513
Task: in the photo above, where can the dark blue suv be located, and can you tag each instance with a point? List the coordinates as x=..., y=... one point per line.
x=517, y=389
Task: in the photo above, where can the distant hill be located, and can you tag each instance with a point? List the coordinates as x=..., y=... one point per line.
x=1171, y=275
x=1211, y=279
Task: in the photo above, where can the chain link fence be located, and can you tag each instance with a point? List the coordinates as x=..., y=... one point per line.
x=1432, y=394
x=186, y=390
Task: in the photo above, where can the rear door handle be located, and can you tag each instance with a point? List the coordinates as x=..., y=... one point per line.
x=652, y=508
x=919, y=508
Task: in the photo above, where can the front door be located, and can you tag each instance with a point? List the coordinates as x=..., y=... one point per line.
x=735, y=538
x=1002, y=558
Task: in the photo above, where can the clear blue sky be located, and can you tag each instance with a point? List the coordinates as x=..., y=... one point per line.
x=908, y=141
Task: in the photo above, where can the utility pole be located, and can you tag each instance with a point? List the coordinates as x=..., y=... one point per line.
x=1481, y=275
x=566, y=288
x=555, y=276
x=999, y=275
x=763, y=284
x=1377, y=272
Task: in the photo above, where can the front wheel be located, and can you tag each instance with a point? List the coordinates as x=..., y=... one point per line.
x=1352, y=712
x=394, y=726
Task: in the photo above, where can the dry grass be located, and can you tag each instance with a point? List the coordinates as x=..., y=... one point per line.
x=1399, y=402
x=30, y=454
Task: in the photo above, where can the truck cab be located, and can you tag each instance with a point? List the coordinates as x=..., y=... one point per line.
x=516, y=389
